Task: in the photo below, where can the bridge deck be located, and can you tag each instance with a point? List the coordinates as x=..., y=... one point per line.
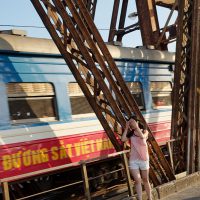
x=190, y=193
x=185, y=188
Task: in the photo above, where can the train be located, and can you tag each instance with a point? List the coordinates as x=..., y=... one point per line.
x=45, y=119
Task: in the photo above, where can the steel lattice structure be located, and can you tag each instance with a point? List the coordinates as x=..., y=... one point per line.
x=148, y=23
x=185, y=115
x=76, y=36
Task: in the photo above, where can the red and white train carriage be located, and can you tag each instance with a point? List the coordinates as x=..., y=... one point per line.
x=46, y=121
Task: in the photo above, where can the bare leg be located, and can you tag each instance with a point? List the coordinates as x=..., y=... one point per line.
x=138, y=183
x=145, y=179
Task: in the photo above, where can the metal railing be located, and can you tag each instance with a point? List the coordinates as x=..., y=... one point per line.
x=85, y=179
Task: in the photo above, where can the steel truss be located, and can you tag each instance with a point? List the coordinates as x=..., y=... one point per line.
x=76, y=36
x=148, y=24
x=91, y=6
x=186, y=98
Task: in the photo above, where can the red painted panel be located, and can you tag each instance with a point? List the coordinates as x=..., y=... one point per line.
x=28, y=157
x=21, y=158
x=160, y=126
x=161, y=131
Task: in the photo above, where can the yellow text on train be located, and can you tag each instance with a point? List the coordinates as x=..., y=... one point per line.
x=28, y=157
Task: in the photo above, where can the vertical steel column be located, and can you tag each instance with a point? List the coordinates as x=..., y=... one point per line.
x=113, y=22
x=149, y=25
x=185, y=112
x=181, y=90
x=85, y=181
x=130, y=187
x=121, y=31
x=6, y=195
x=122, y=20
x=198, y=122
x=193, y=108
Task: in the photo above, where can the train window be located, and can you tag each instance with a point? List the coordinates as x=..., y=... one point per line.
x=31, y=102
x=161, y=94
x=136, y=90
x=79, y=104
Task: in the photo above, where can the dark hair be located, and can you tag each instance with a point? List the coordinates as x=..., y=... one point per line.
x=129, y=134
x=133, y=117
x=140, y=125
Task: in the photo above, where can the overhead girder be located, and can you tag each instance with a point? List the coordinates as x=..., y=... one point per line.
x=121, y=30
x=166, y=3
x=148, y=23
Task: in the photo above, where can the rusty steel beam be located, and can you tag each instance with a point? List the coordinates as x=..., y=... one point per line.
x=120, y=33
x=113, y=22
x=170, y=29
x=180, y=93
x=149, y=25
x=91, y=6
x=166, y=3
x=185, y=104
x=198, y=130
x=87, y=56
x=116, y=34
x=193, y=158
x=53, y=28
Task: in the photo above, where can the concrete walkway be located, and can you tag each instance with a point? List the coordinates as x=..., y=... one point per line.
x=190, y=193
x=185, y=188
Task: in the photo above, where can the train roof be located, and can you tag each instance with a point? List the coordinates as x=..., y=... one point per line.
x=25, y=44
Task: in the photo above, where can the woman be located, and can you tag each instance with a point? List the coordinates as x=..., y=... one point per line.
x=139, y=157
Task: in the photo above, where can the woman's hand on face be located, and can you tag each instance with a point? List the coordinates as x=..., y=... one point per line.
x=127, y=125
x=134, y=124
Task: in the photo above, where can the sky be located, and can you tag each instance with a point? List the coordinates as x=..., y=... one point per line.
x=22, y=13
